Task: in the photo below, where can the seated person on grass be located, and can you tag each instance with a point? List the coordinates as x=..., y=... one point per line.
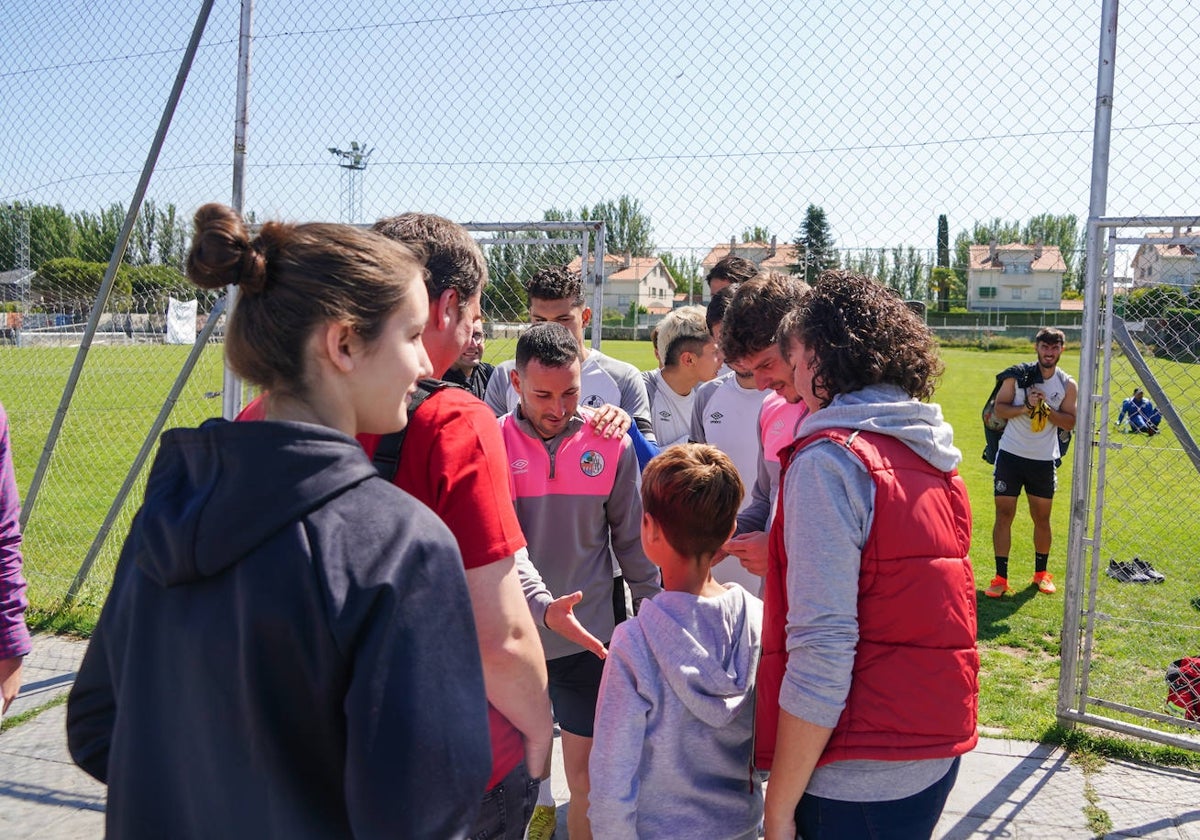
x=1143, y=416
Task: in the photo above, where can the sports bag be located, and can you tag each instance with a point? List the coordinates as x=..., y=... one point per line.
x=1183, y=688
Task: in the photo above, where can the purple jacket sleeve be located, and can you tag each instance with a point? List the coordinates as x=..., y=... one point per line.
x=14, y=635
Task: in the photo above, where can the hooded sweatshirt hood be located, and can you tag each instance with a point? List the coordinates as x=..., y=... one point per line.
x=716, y=638
x=204, y=508
x=888, y=410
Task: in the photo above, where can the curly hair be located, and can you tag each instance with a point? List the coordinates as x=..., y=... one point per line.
x=556, y=282
x=752, y=318
x=861, y=333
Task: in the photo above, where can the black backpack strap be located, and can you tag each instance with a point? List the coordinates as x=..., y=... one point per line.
x=387, y=455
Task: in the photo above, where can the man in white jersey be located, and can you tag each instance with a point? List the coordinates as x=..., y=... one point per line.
x=556, y=294
x=748, y=342
x=725, y=414
x=1035, y=411
x=690, y=356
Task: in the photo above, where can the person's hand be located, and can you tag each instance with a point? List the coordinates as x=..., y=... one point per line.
x=1034, y=396
x=751, y=549
x=560, y=617
x=611, y=421
x=782, y=829
x=10, y=680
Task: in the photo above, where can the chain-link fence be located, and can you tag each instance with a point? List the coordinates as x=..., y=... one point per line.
x=1136, y=562
x=944, y=147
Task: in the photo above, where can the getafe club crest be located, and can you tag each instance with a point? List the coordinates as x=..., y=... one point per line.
x=593, y=401
x=592, y=463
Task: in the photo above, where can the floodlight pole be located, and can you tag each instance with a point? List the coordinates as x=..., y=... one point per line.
x=354, y=161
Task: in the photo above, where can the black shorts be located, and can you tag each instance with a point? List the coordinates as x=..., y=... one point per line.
x=574, y=688
x=1039, y=478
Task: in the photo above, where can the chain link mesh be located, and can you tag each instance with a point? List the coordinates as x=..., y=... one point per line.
x=1142, y=609
x=800, y=134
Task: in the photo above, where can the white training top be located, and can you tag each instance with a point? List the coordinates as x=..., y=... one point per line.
x=726, y=415
x=670, y=414
x=602, y=380
x=1036, y=437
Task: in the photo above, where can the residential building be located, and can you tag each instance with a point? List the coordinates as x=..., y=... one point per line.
x=1166, y=263
x=643, y=281
x=768, y=256
x=1015, y=276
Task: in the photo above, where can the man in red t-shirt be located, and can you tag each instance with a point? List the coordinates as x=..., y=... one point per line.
x=453, y=461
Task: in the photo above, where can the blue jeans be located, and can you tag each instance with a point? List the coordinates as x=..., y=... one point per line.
x=910, y=818
x=507, y=807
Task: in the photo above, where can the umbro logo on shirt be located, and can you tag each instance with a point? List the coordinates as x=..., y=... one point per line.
x=715, y=417
x=520, y=466
x=664, y=414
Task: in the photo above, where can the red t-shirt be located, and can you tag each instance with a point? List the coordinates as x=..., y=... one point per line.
x=453, y=461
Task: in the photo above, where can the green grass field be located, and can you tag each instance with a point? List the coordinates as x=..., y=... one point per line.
x=1143, y=629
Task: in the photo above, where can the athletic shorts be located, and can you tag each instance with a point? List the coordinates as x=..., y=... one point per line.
x=1039, y=478
x=574, y=688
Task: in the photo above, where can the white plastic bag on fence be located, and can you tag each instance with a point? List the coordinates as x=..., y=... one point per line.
x=181, y=321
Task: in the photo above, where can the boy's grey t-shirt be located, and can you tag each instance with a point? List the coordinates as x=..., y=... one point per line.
x=603, y=380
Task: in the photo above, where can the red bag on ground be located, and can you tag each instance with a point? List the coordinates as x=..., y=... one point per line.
x=1183, y=688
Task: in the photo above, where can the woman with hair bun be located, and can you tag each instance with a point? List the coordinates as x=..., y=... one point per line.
x=266, y=665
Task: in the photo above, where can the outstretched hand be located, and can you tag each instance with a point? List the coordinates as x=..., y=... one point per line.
x=560, y=617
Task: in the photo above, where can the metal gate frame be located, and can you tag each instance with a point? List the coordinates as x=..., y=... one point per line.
x=1102, y=327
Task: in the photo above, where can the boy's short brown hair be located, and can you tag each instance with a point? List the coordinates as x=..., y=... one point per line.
x=693, y=492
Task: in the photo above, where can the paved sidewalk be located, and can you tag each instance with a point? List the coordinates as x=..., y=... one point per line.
x=1006, y=789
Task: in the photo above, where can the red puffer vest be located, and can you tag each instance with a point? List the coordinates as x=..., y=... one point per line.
x=914, y=690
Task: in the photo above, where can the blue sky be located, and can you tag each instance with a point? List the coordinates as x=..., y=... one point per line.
x=715, y=116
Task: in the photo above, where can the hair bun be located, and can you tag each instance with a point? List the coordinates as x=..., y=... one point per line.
x=252, y=270
x=218, y=248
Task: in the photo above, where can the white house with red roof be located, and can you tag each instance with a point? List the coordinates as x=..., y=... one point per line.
x=1015, y=276
x=768, y=256
x=1171, y=264
x=643, y=281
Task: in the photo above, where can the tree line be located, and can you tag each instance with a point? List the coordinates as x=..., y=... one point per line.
x=159, y=236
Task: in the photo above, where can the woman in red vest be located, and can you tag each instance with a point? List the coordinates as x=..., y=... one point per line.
x=868, y=685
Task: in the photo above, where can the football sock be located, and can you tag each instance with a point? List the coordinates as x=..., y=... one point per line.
x=545, y=797
x=1002, y=567
x=1040, y=562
